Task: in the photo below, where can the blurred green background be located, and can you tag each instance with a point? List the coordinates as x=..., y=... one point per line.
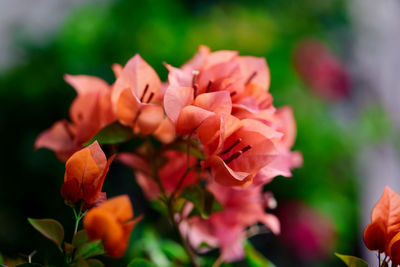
x=33, y=95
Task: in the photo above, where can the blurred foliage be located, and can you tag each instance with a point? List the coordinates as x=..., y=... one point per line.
x=34, y=95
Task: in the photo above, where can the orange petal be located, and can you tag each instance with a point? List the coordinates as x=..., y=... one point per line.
x=71, y=190
x=218, y=102
x=175, y=99
x=120, y=207
x=165, y=131
x=86, y=167
x=394, y=249
x=127, y=107
x=150, y=118
x=92, y=189
x=374, y=236
x=388, y=210
x=81, y=166
x=190, y=118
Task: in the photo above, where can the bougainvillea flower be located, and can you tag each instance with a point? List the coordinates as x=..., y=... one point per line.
x=169, y=174
x=90, y=111
x=136, y=94
x=112, y=222
x=226, y=229
x=385, y=224
x=321, y=70
x=85, y=172
x=285, y=160
x=236, y=150
x=309, y=234
x=245, y=78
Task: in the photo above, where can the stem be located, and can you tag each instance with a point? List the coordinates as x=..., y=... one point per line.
x=184, y=241
x=78, y=218
x=218, y=262
x=379, y=259
x=179, y=185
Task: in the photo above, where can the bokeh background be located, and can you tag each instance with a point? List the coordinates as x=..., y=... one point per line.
x=335, y=62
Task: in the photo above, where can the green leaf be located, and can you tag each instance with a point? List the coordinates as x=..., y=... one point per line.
x=140, y=263
x=79, y=263
x=90, y=249
x=203, y=200
x=30, y=265
x=159, y=206
x=80, y=238
x=173, y=250
x=113, y=133
x=254, y=258
x=50, y=228
x=352, y=261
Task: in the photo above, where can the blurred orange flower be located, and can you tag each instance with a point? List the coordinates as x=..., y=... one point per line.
x=84, y=176
x=112, y=223
x=382, y=233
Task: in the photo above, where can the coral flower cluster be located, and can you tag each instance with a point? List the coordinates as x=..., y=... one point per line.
x=211, y=125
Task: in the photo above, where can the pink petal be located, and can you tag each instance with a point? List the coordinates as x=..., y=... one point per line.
x=59, y=139
x=136, y=75
x=84, y=84
x=258, y=65
x=175, y=99
x=224, y=175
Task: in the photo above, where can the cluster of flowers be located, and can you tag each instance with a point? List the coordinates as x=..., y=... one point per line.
x=218, y=130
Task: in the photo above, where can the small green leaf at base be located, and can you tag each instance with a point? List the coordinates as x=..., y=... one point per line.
x=352, y=261
x=90, y=249
x=140, y=263
x=254, y=258
x=112, y=133
x=80, y=238
x=50, y=228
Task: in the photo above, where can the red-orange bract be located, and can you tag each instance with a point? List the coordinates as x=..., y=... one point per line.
x=382, y=234
x=112, y=223
x=85, y=172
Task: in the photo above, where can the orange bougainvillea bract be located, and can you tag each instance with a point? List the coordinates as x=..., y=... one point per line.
x=112, y=223
x=84, y=176
x=382, y=234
